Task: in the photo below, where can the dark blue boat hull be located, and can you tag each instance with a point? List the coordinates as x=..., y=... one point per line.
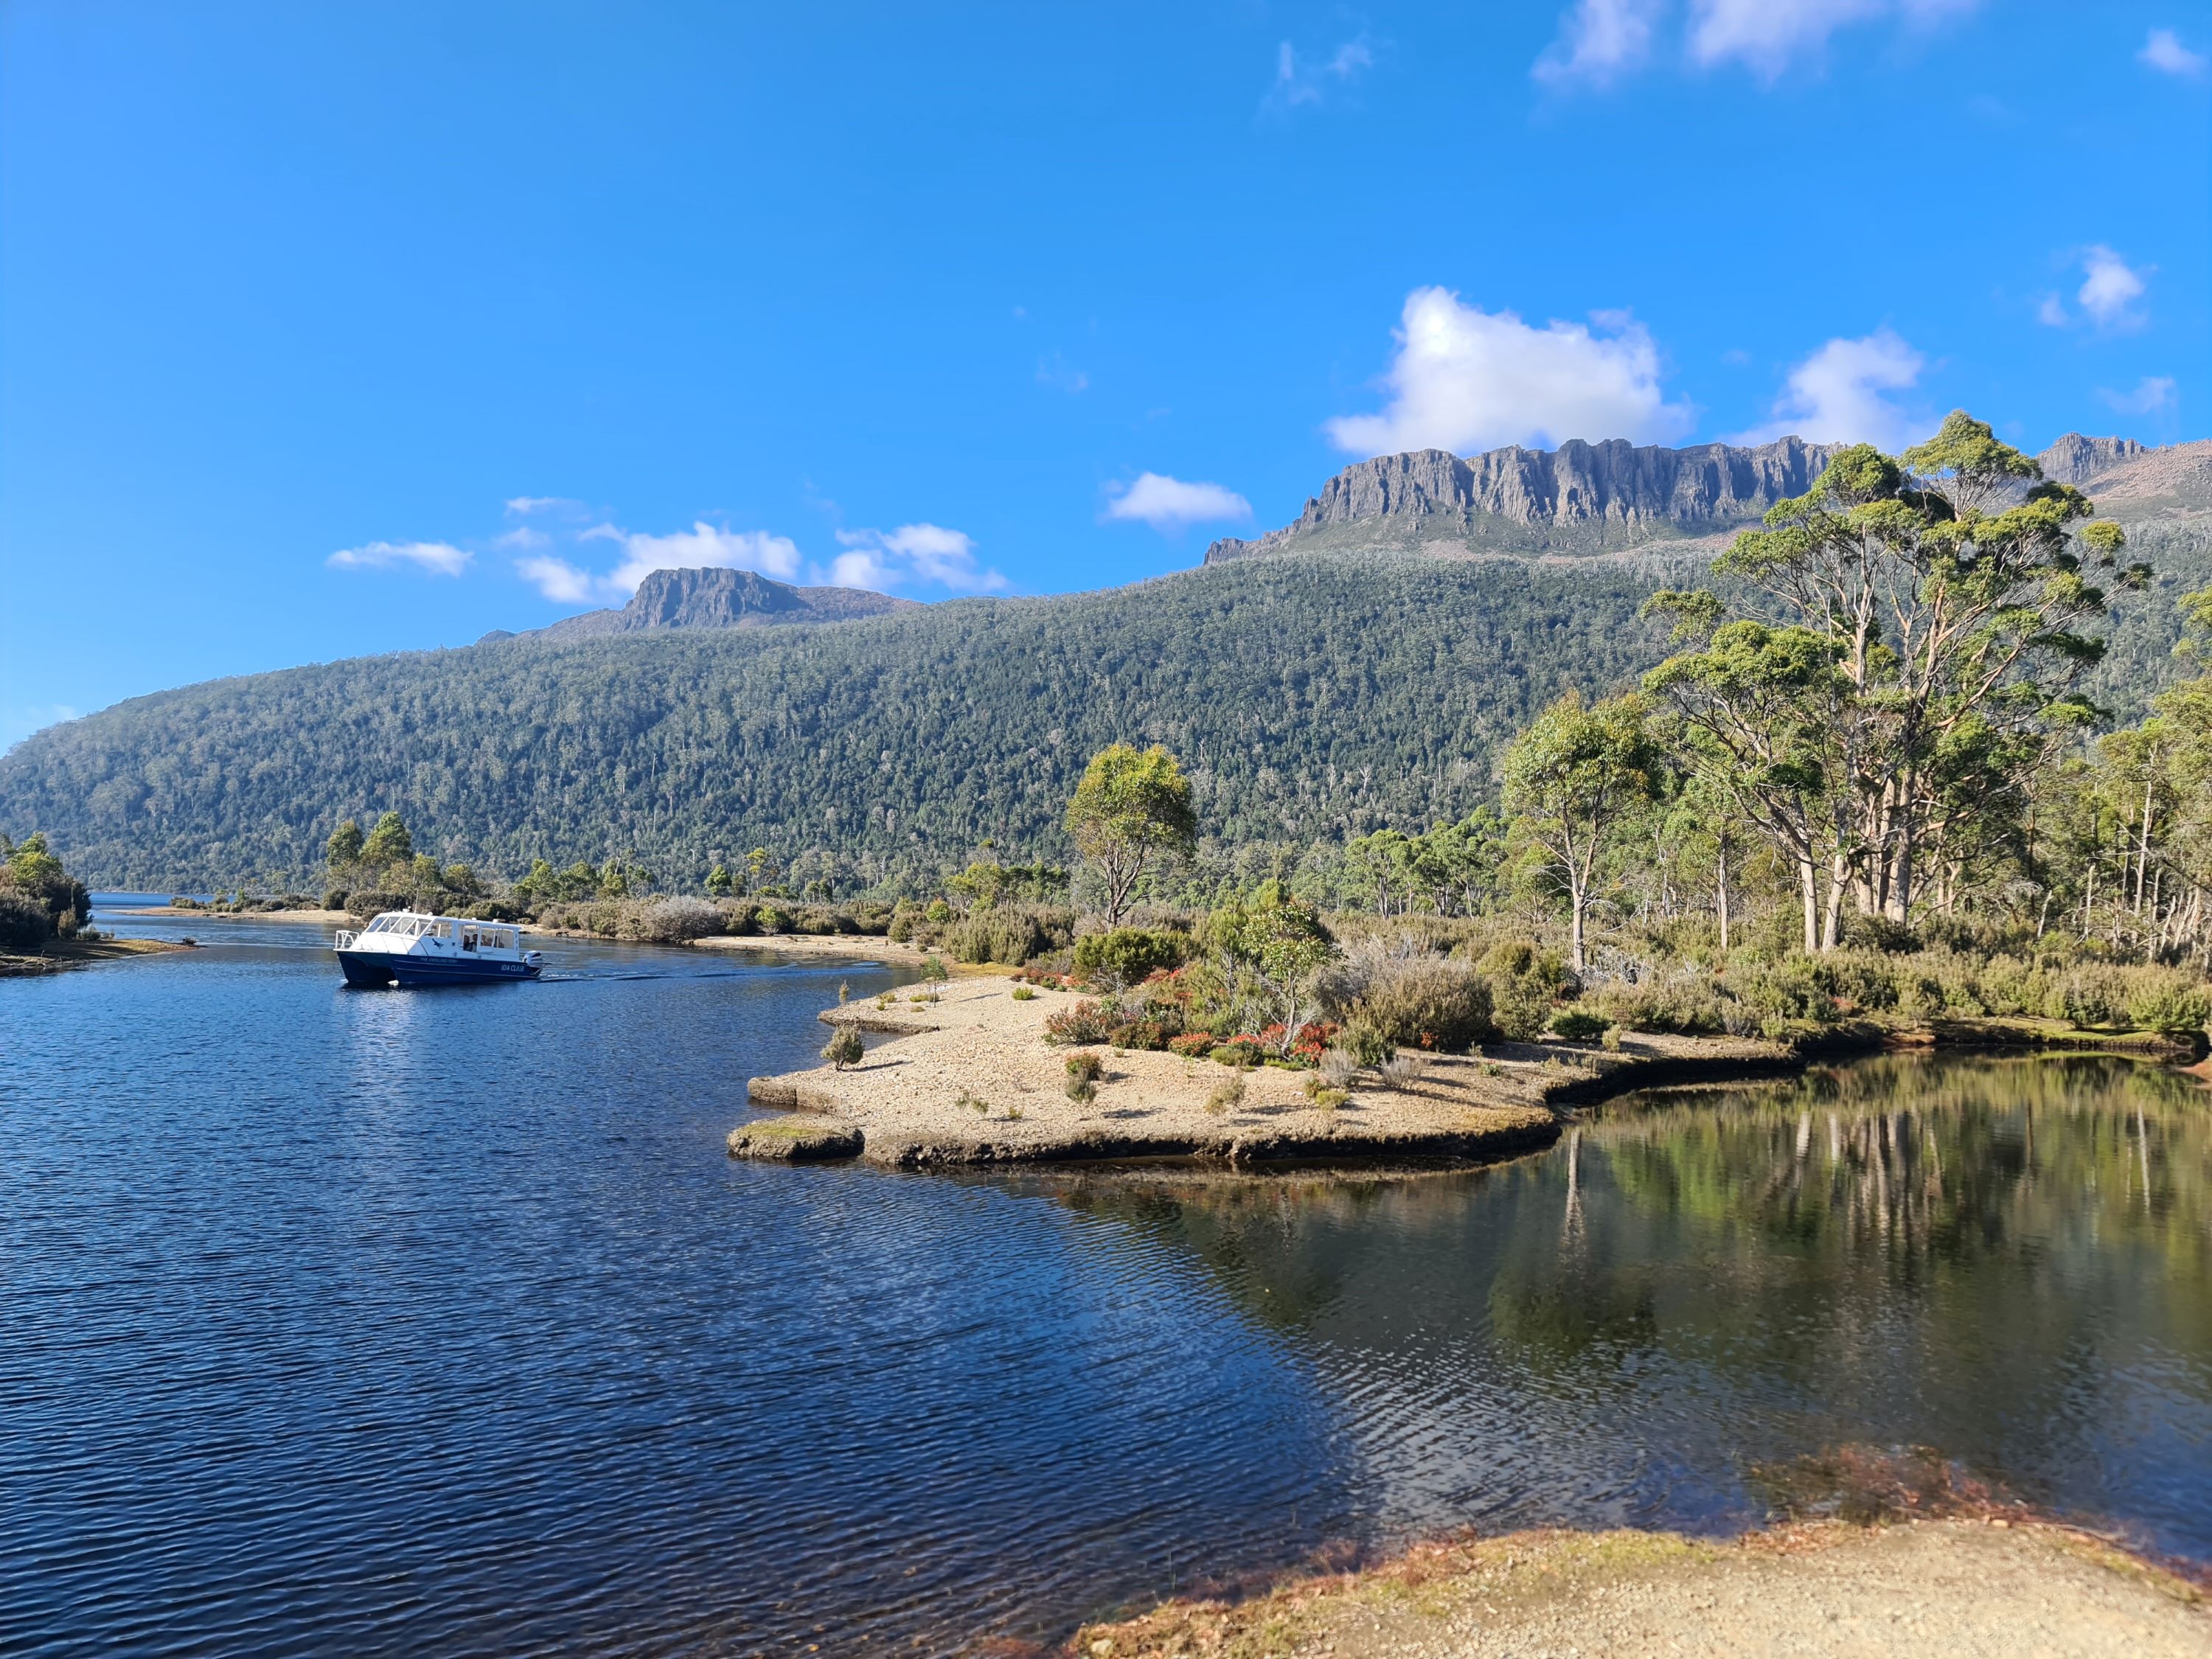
x=373, y=968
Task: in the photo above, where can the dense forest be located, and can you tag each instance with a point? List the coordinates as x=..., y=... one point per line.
x=1313, y=699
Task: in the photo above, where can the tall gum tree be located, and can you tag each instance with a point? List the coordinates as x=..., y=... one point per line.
x=1571, y=780
x=1131, y=809
x=1917, y=663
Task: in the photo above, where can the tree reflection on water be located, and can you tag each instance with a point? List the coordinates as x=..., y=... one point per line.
x=2008, y=1260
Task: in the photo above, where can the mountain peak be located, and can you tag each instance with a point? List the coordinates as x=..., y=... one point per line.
x=2075, y=459
x=715, y=597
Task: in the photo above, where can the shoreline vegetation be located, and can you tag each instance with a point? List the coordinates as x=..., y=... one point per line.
x=60, y=955
x=964, y=1073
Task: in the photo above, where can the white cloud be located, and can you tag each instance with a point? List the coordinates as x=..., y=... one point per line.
x=2110, y=290
x=522, y=539
x=559, y=580
x=1168, y=504
x=926, y=553
x=2164, y=52
x=1845, y=393
x=2051, y=312
x=1054, y=371
x=704, y=546
x=1466, y=379
x=523, y=506
x=439, y=558
x=1600, y=40
x=2155, y=394
x=1299, y=81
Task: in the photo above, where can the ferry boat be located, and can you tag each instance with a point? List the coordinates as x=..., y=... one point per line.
x=406, y=947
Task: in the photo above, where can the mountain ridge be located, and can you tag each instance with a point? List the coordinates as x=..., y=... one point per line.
x=1585, y=500
x=713, y=597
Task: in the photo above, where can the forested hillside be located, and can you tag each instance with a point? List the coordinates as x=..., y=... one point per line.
x=1311, y=698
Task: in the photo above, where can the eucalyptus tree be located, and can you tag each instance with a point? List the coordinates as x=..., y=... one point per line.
x=1917, y=659
x=1572, y=780
x=1131, y=809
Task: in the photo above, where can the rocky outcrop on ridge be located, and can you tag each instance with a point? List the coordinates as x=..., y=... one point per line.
x=716, y=597
x=2075, y=459
x=1580, y=498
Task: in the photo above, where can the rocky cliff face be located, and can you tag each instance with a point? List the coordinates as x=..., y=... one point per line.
x=716, y=598
x=2075, y=459
x=1581, y=497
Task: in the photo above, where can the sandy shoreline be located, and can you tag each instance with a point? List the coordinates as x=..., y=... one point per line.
x=1964, y=1587
x=64, y=954
x=968, y=1079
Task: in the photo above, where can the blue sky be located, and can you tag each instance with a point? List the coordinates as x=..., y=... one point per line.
x=327, y=331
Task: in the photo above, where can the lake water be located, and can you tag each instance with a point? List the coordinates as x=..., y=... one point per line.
x=397, y=1323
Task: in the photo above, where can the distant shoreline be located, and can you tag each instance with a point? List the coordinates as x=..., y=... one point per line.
x=64, y=954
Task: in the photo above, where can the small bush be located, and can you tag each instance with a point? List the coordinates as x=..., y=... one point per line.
x=845, y=1049
x=1086, y=1022
x=932, y=968
x=1524, y=982
x=1227, y=1096
x=1579, y=1025
x=938, y=912
x=1322, y=1096
x=1001, y=935
x=1024, y=994
x=1689, y=1005
x=1085, y=1067
x=334, y=899
x=1242, y=1051
x=1339, y=1070
x=1127, y=956
x=1400, y=1071
x=1429, y=1002
x=1192, y=1045
x=670, y=921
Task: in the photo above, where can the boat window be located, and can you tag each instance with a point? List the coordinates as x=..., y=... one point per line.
x=468, y=939
x=499, y=939
x=441, y=930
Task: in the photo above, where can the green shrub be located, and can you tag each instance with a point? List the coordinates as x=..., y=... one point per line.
x=938, y=912
x=668, y=920
x=24, y=923
x=1774, y=994
x=997, y=934
x=900, y=927
x=1126, y=955
x=771, y=920
x=1579, y=1025
x=932, y=968
x=844, y=1049
x=2166, y=1000
x=1086, y=1065
x=1688, y=1004
x=335, y=899
x=371, y=903
x=1524, y=982
x=1366, y=1043
x=2096, y=996
x=1024, y=994
x=1429, y=1002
